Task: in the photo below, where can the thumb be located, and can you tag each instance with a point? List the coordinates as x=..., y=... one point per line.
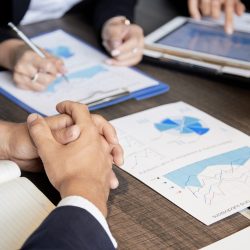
x=193, y=7
x=120, y=34
x=114, y=183
x=229, y=15
x=116, y=36
x=67, y=135
x=40, y=134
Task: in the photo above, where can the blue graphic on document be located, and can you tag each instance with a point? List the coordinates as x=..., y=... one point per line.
x=184, y=125
x=188, y=175
x=86, y=73
x=61, y=51
x=216, y=176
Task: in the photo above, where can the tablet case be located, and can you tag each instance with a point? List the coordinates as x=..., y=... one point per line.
x=196, y=67
x=199, y=66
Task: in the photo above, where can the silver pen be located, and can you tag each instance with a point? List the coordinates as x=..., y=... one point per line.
x=31, y=45
x=107, y=99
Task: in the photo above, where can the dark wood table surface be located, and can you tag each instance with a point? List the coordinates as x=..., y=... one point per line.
x=139, y=217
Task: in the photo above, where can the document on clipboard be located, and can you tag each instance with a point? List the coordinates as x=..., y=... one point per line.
x=202, y=45
x=92, y=82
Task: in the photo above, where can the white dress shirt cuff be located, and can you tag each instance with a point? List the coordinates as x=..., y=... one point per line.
x=78, y=201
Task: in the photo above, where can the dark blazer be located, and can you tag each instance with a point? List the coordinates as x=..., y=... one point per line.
x=69, y=228
x=181, y=6
x=102, y=10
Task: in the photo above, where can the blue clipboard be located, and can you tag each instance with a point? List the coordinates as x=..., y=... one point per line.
x=142, y=94
x=137, y=95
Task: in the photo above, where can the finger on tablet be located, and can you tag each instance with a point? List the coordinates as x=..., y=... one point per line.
x=229, y=12
x=240, y=8
x=216, y=8
x=193, y=7
x=205, y=7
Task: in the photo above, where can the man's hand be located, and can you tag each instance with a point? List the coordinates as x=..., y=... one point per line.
x=30, y=71
x=124, y=41
x=82, y=167
x=18, y=147
x=108, y=132
x=213, y=8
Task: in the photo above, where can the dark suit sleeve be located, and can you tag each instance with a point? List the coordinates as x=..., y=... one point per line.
x=6, y=34
x=106, y=9
x=11, y=11
x=3, y=37
x=70, y=228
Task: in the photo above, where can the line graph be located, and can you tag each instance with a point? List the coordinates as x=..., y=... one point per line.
x=214, y=186
x=214, y=177
x=140, y=159
x=129, y=142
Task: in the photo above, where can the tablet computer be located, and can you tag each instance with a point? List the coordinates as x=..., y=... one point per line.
x=204, y=41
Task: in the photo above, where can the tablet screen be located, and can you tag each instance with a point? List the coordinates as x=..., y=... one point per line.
x=209, y=39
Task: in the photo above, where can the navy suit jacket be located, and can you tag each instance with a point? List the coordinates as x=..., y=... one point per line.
x=69, y=228
x=101, y=11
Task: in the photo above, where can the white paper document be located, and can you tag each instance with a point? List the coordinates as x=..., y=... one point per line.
x=239, y=240
x=23, y=206
x=90, y=78
x=194, y=160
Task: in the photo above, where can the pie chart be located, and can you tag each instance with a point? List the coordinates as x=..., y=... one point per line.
x=184, y=125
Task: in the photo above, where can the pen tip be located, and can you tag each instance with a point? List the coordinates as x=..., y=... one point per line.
x=66, y=78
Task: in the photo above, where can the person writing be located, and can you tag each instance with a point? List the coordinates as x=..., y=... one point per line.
x=122, y=39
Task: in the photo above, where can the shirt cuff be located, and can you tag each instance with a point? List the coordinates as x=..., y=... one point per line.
x=78, y=201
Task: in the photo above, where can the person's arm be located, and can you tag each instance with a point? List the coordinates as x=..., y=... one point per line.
x=16, y=144
x=17, y=57
x=5, y=55
x=25, y=64
x=5, y=34
x=78, y=201
x=3, y=141
x=74, y=224
x=107, y=9
x=81, y=168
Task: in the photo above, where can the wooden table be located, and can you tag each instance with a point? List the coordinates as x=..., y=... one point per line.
x=139, y=217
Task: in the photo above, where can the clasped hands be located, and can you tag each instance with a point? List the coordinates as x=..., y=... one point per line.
x=77, y=150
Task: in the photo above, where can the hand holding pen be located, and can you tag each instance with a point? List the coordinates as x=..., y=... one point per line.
x=33, y=69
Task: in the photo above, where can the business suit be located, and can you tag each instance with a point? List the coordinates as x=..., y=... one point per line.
x=69, y=228
x=101, y=11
